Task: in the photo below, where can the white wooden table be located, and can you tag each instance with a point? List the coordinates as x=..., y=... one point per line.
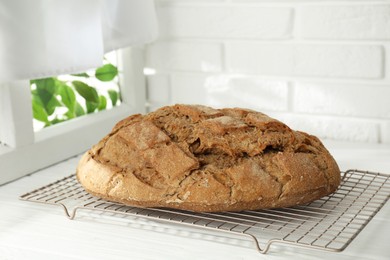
x=33, y=231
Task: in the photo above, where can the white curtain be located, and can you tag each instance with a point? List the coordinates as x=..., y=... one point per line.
x=42, y=38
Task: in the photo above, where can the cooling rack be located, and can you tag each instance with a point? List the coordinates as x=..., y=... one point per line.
x=330, y=223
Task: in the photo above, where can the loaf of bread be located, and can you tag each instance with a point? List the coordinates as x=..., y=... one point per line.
x=202, y=159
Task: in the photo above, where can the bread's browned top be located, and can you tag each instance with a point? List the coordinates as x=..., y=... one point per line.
x=200, y=158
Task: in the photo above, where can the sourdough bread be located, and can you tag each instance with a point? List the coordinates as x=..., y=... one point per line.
x=203, y=159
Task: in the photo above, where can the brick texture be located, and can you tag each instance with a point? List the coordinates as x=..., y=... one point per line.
x=346, y=22
x=231, y=90
x=385, y=132
x=342, y=99
x=222, y=22
x=327, y=127
x=158, y=89
x=321, y=66
x=185, y=56
x=313, y=60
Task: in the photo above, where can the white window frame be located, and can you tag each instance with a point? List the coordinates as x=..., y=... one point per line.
x=23, y=151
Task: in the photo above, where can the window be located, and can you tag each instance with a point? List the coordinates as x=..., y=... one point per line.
x=23, y=150
x=65, y=97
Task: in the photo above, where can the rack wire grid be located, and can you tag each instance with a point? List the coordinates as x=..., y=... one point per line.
x=330, y=223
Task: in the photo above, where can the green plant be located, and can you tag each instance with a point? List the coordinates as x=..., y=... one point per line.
x=56, y=100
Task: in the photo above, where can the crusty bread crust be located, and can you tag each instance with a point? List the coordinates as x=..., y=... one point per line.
x=203, y=159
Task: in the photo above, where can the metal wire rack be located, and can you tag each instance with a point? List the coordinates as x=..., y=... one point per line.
x=330, y=223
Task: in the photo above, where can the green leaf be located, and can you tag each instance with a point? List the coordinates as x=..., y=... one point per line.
x=44, y=96
x=88, y=93
x=39, y=112
x=84, y=75
x=67, y=97
x=46, y=93
x=36, y=98
x=48, y=100
x=69, y=115
x=103, y=103
x=113, y=96
x=79, y=110
x=91, y=106
x=52, y=104
x=57, y=120
x=106, y=73
x=48, y=84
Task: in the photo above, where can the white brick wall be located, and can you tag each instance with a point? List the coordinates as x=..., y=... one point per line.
x=356, y=22
x=211, y=21
x=185, y=56
x=363, y=100
x=321, y=66
x=229, y=90
x=313, y=60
